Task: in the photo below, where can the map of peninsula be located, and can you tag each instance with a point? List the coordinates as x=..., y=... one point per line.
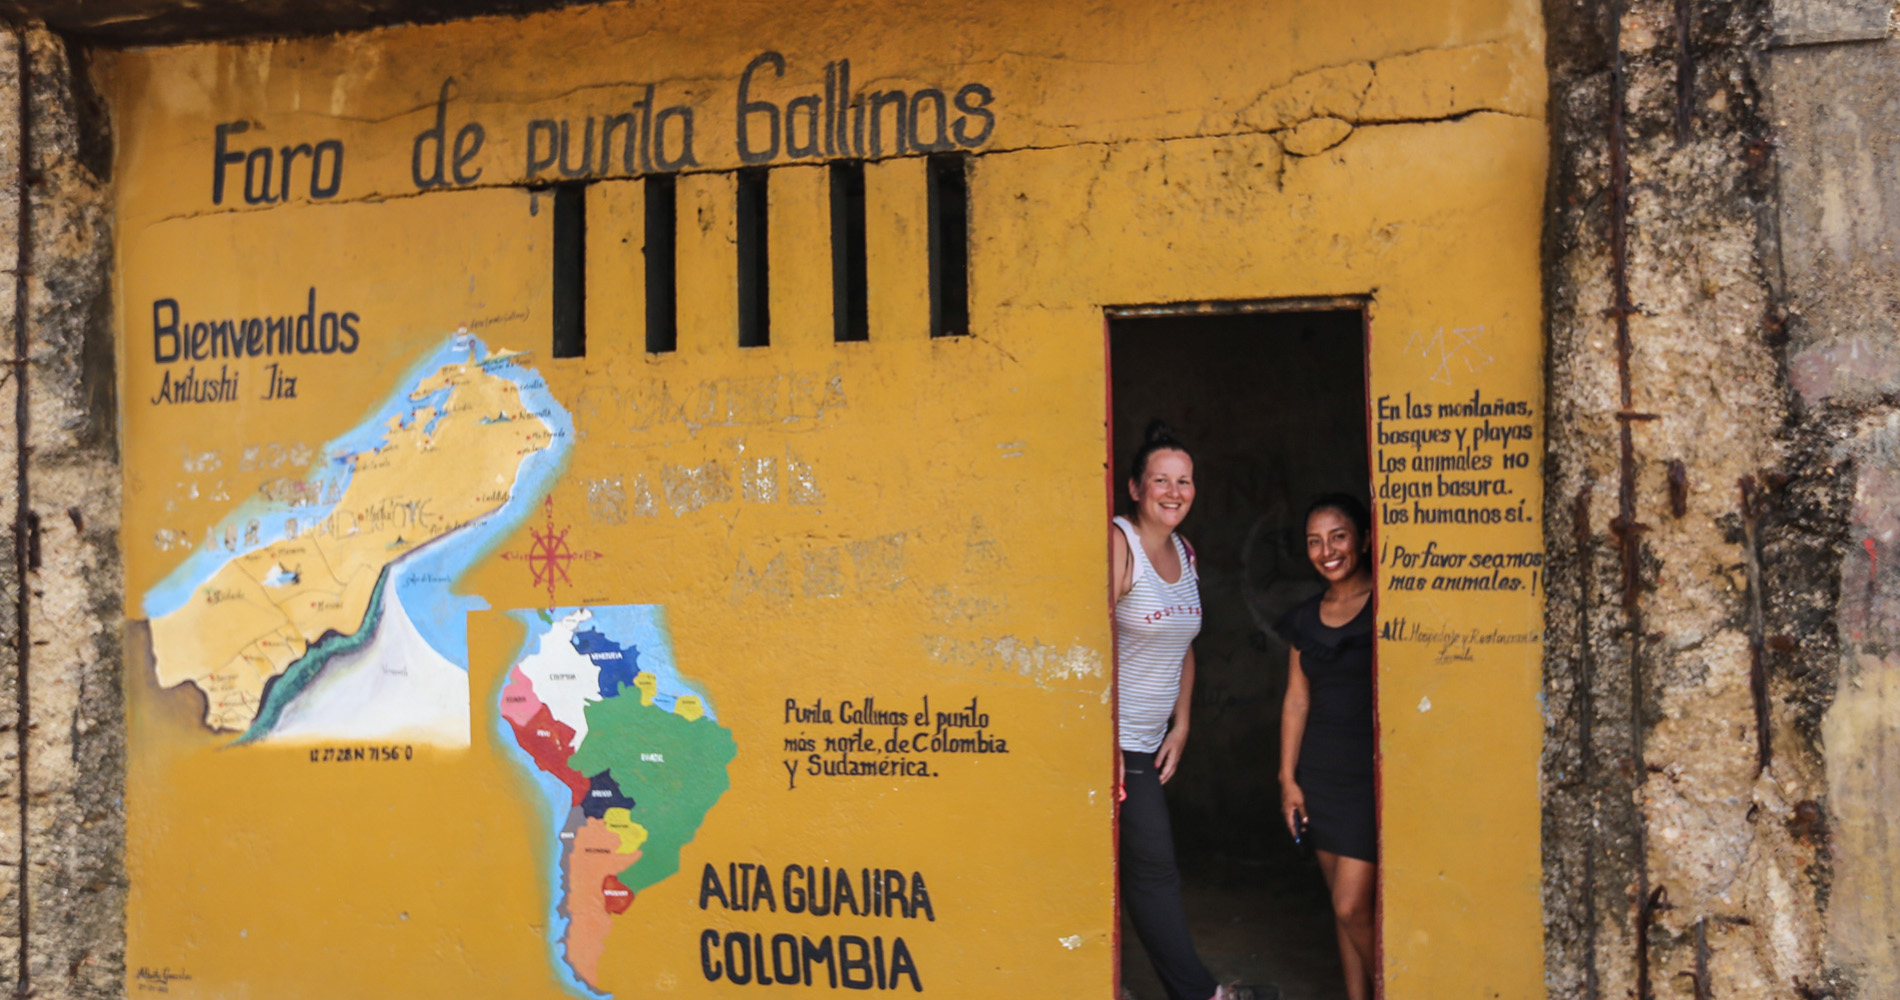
x=305, y=624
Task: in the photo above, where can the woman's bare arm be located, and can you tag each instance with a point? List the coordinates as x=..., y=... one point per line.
x=1169, y=756
x=1292, y=728
x=1292, y=717
x=1120, y=561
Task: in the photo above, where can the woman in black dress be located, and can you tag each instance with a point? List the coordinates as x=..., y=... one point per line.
x=1326, y=738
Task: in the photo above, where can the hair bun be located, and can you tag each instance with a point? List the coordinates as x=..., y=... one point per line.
x=1158, y=437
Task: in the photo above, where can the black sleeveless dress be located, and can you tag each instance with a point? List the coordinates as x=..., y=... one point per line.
x=1335, y=766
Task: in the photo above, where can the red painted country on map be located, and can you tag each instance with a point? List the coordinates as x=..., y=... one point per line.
x=615, y=894
x=549, y=743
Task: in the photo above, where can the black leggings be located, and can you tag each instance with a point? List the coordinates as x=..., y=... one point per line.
x=1151, y=884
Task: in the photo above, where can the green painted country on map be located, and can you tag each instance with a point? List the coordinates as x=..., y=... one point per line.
x=674, y=769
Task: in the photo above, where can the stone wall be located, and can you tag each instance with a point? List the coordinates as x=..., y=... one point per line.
x=1837, y=115
x=1697, y=514
x=62, y=835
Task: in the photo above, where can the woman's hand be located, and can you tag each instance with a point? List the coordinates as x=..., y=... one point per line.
x=1293, y=808
x=1169, y=756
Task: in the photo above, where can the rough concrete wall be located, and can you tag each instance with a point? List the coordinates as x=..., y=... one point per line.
x=1837, y=116
x=1693, y=523
x=66, y=693
x=14, y=545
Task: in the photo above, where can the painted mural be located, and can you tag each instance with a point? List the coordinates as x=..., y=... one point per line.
x=323, y=606
x=434, y=619
x=462, y=669
x=631, y=759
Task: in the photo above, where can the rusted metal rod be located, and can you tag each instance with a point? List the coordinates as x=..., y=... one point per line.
x=1586, y=703
x=1757, y=659
x=1625, y=526
x=1655, y=902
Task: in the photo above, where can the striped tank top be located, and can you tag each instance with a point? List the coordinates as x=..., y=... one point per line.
x=1155, y=622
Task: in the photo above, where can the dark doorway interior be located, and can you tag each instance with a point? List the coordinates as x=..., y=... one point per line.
x=1273, y=406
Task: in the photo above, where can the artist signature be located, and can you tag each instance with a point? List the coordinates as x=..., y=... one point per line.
x=1448, y=654
x=159, y=980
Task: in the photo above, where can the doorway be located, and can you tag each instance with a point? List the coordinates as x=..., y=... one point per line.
x=1272, y=404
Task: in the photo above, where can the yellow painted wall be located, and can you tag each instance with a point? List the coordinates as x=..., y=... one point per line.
x=895, y=519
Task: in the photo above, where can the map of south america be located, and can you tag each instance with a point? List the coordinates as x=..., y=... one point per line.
x=629, y=757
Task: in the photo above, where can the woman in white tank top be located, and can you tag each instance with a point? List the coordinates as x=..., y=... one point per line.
x=1156, y=619
x=1157, y=615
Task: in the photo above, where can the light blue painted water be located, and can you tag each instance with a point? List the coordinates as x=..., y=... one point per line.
x=425, y=578
x=638, y=625
x=439, y=613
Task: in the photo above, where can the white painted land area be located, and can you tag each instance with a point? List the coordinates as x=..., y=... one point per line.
x=564, y=680
x=396, y=687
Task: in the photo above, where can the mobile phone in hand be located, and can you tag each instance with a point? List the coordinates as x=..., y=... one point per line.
x=1299, y=827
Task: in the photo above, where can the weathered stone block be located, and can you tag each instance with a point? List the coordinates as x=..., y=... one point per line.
x=1808, y=22
x=1863, y=763
x=1837, y=112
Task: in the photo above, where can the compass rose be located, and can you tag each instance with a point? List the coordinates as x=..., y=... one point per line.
x=549, y=554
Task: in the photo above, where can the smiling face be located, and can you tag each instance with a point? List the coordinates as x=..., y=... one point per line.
x=1334, y=544
x=1165, y=490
